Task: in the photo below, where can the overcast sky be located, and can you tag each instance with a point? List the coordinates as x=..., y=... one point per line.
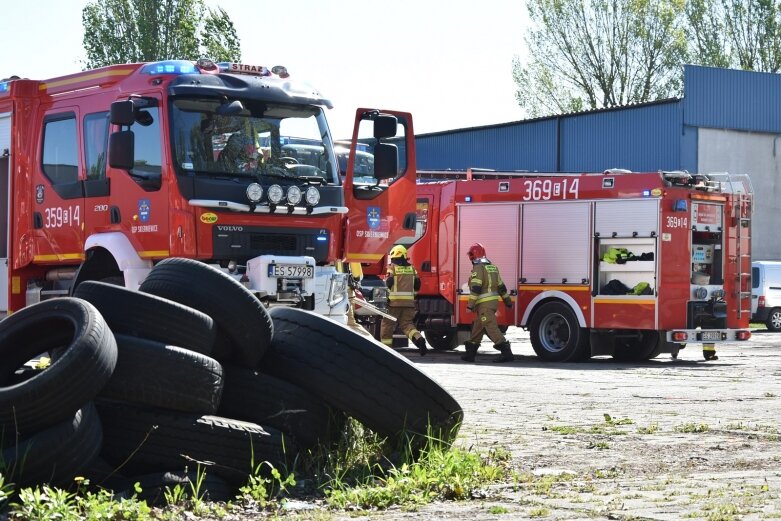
x=448, y=62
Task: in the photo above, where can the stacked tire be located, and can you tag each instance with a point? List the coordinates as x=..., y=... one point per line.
x=193, y=372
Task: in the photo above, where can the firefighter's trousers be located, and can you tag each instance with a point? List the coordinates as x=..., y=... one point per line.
x=485, y=323
x=405, y=320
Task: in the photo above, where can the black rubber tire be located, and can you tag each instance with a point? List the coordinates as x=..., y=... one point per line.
x=644, y=347
x=144, y=440
x=556, y=335
x=87, y=359
x=773, y=321
x=169, y=377
x=360, y=376
x=235, y=310
x=57, y=454
x=153, y=487
x=143, y=315
x=260, y=398
x=441, y=339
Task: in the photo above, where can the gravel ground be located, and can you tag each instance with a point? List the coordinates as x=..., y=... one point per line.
x=660, y=440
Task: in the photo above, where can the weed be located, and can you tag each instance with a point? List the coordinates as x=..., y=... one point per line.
x=770, y=395
x=600, y=445
x=650, y=429
x=692, y=427
x=437, y=472
x=498, y=509
x=539, y=512
x=6, y=489
x=264, y=489
x=623, y=421
x=46, y=503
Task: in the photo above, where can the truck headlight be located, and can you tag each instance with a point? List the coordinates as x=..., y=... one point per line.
x=701, y=293
x=293, y=195
x=254, y=192
x=275, y=194
x=312, y=196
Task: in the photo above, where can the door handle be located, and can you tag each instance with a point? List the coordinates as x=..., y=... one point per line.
x=116, y=217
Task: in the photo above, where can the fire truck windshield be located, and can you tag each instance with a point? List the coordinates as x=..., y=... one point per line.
x=248, y=138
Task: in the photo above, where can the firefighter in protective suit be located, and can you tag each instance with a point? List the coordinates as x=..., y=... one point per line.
x=485, y=290
x=403, y=282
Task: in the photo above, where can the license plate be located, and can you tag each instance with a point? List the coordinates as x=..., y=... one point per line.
x=711, y=335
x=300, y=271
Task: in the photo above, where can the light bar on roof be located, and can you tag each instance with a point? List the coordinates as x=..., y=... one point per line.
x=169, y=67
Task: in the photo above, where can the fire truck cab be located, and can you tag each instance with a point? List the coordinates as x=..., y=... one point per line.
x=110, y=170
x=612, y=263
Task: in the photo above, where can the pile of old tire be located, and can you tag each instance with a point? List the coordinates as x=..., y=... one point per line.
x=194, y=373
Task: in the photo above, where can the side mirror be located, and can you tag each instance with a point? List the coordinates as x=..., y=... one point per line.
x=385, y=126
x=386, y=161
x=123, y=113
x=121, y=149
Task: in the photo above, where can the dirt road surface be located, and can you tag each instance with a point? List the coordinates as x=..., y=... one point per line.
x=659, y=440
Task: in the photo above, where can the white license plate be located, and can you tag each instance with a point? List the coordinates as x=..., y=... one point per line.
x=300, y=271
x=711, y=335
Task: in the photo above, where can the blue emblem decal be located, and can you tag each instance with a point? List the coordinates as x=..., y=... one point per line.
x=143, y=210
x=373, y=217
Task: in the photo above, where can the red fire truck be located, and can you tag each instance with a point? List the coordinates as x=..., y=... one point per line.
x=613, y=263
x=106, y=171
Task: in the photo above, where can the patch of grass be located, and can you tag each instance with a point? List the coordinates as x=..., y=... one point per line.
x=609, y=420
x=539, y=512
x=498, y=509
x=600, y=445
x=649, y=429
x=692, y=427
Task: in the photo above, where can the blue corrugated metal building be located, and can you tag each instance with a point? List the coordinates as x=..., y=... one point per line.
x=727, y=120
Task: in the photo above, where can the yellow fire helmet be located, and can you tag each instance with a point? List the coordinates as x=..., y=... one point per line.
x=398, y=251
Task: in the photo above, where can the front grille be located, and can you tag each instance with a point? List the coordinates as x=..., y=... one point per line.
x=274, y=244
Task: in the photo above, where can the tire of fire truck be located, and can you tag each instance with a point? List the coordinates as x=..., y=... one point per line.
x=360, y=376
x=644, y=346
x=145, y=440
x=169, y=377
x=773, y=321
x=556, y=335
x=441, y=339
x=266, y=400
x=88, y=357
x=235, y=310
x=57, y=454
x=144, y=315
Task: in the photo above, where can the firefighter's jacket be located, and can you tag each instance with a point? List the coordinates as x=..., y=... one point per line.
x=485, y=283
x=402, y=281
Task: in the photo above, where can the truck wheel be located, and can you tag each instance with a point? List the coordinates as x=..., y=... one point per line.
x=88, y=354
x=644, y=346
x=556, y=335
x=169, y=377
x=237, y=312
x=774, y=320
x=144, y=440
x=355, y=374
x=57, y=454
x=441, y=339
x=143, y=315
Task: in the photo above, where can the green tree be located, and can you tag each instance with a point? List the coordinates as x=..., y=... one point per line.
x=736, y=33
x=125, y=31
x=590, y=54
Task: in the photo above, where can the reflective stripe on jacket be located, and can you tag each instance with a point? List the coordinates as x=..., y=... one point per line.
x=402, y=290
x=484, y=283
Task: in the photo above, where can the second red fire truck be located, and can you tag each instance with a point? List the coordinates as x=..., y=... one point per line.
x=613, y=263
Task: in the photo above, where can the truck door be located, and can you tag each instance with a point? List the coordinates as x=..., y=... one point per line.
x=5, y=207
x=138, y=204
x=478, y=223
x=382, y=210
x=58, y=213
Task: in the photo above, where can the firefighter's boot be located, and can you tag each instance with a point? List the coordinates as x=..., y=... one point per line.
x=506, y=355
x=709, y=352
x=420, y=342
x=471, y=351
